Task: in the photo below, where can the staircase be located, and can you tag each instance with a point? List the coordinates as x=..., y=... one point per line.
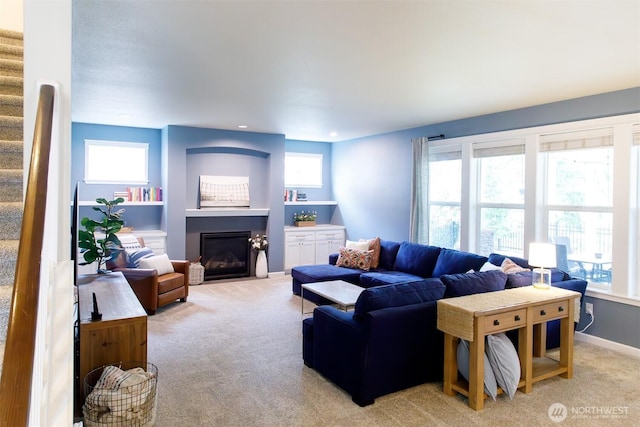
x=11, y=167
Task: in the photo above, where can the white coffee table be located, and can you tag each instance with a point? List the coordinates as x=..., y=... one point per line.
x=344, y=294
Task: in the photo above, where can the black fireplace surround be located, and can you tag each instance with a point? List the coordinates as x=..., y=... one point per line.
x=225, y=255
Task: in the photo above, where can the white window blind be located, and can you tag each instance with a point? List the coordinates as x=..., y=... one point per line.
x=508, y=150
x=592, y=138
x=444, y=156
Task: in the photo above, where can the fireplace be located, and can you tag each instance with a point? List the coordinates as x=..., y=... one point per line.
x=225, y=255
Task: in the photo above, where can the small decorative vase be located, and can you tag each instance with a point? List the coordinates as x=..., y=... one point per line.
x=261, y=265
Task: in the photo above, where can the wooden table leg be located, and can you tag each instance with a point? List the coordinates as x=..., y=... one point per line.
x=476, y=369
x=566, y=341
x=540, y=339
x=525, y=354
x=450, y=364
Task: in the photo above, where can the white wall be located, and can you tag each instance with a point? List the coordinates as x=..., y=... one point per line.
x=11, y=15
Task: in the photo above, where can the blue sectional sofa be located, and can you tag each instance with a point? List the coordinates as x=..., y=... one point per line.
x=390, y=341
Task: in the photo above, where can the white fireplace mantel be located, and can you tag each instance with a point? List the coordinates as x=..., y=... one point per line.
x=225, y=212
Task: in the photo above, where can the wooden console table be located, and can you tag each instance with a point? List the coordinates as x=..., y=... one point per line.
x=121, y=334
x=527, y=309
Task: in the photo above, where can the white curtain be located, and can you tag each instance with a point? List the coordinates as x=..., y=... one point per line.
x=419, y=225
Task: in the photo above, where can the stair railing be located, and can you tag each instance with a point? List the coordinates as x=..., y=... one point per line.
x=17, y=368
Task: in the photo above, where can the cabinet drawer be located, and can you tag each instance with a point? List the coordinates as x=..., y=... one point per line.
x=330, y=235
x=554, y=310
x=300, y=236
x=505, y=321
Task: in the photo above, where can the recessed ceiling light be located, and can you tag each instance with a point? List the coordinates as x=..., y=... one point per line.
x=242, y=126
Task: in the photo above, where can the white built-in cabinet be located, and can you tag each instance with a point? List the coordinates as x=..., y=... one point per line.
x=311, y=245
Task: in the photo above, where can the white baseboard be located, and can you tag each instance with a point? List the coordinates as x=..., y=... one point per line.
x=276, y=274
x=611, y=345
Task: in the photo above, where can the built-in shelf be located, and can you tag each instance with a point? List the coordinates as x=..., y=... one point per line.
x=222, y=212
x=312, y=203
x=94, y=203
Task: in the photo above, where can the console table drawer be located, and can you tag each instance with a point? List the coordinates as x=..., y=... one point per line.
x=554, y=310
x=505, y=321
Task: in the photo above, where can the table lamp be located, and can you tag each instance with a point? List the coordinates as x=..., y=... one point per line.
x=542, y=255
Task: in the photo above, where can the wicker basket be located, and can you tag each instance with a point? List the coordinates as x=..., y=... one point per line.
x=121, y=395
x=196, y=273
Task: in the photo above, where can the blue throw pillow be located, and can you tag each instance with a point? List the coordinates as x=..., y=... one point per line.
x=134, y=256
x=416, y=259
x=398, y=295
x=451, y=261
x=518, y=280
x=388, y=252
x=473, y=283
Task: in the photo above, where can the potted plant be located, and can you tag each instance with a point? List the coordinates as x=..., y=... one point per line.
x=95, y=248
x=305, y=219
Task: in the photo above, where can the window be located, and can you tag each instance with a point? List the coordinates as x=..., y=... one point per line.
x=500, y=199
x=444, y=200
x=111, y=162
x=303, y=170
x=579, y=200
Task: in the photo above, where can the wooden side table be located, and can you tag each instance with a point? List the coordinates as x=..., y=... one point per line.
x=121, y=334
x=527, y=309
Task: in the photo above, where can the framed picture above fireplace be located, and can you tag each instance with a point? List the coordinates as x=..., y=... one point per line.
x=224, y=191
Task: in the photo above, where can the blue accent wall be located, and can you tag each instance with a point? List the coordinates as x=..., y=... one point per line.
x=372, y=182
x=139, y=217
x=372, y=175
x=326, y=214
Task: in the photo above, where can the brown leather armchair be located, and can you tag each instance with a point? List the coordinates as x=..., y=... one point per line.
x=155, y=290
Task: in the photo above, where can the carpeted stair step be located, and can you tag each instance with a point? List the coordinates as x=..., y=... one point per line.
x=11, y=85
x=11, y=37
x=11, y=105
x=11, y=154
x=8, y=256
x=10, y=185
x=10, y=220
x=11, y=128
x=11, y=51
x=11, y=67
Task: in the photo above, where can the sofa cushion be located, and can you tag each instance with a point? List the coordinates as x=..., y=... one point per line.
x=417, y=259
x=388, y=253
x=473, y=283
x=451, y=261
x=398, y=295
x=354, y=258
x=376, y=278
x=498, y=259
x=324, y=272
x=517, y=280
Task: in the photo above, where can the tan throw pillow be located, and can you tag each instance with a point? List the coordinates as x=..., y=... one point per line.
x=353, y=258
x=374, y=245
x=511, y=267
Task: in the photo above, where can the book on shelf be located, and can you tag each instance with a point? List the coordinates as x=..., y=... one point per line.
x=294, y=196
x=143, y=194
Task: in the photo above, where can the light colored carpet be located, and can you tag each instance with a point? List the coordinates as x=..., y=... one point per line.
x=232, y=356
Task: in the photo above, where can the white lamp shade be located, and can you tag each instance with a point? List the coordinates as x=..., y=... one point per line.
x=542, y=255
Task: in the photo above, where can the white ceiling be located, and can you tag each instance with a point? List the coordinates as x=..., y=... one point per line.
x=308, y=68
